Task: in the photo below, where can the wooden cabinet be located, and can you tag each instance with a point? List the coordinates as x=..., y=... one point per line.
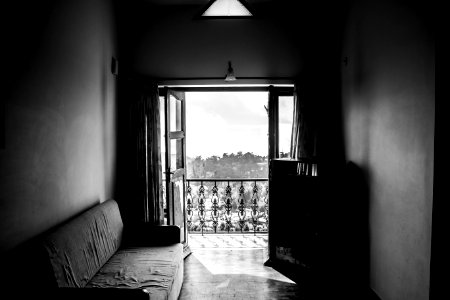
x=294, y=208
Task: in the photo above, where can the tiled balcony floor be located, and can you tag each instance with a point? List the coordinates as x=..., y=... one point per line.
x=258, y=241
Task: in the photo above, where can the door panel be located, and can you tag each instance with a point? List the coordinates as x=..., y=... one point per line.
x=276, y=95
x=175, y=160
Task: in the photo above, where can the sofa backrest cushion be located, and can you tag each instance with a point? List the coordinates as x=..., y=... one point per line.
x=79, y=248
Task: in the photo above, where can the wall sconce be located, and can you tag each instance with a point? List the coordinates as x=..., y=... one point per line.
x=114, y=66
x=230, y=73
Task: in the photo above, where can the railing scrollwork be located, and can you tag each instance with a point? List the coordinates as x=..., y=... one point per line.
x=215, y=207
x=227, y=205
x=189, y=206
x=254, y=207
x=201, y=206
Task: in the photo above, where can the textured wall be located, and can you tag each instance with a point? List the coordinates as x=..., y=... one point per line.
x=389, y=113
x=59, y=151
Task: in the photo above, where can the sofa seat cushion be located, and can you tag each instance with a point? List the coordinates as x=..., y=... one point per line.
x=155, y=269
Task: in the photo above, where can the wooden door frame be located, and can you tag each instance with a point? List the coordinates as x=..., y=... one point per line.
x=273, y=133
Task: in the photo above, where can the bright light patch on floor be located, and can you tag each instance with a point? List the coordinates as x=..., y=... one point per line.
x=238, y=262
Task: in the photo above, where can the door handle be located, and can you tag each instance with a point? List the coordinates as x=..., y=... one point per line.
x=169, y=173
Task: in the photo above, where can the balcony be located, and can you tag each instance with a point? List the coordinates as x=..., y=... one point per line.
x=227, y=205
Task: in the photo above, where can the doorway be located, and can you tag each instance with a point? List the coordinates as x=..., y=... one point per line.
x=217, y=144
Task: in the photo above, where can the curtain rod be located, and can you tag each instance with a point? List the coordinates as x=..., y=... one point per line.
x=286, y=90
x=221, y=78
x=213, y=81
x=221, y=81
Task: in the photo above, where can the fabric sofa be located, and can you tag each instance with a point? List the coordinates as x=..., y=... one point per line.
x=95, y=256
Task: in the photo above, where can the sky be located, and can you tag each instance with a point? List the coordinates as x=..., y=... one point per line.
x=228, y=122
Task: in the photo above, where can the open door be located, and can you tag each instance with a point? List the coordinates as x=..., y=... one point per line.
x=294, y=232
x=175, y=161
x=278, y=110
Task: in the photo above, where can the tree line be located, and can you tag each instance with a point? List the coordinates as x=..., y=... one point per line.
x=239, y=165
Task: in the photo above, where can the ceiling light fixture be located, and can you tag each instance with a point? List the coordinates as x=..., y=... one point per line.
x=226, y=9
x=230, y=73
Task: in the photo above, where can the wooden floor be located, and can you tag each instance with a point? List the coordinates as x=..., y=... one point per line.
x=231, y=266
x=236, y=273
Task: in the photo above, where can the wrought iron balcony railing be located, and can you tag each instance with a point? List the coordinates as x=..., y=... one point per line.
x=227, y=205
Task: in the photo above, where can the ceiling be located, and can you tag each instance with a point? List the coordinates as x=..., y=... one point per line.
x=167, y=42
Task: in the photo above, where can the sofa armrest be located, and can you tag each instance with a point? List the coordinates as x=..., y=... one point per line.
x=142, y=235
x=97, y=293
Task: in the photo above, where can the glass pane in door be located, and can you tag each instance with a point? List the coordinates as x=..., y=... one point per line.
x=173, y=155
x=175, y=114
x=162, y=125
x=178, y=190
x=285, y=117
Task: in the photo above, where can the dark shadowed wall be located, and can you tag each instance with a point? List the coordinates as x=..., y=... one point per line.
x=389, y=117
x=59, y=107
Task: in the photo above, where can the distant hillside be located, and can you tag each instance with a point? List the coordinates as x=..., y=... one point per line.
x=232, y=165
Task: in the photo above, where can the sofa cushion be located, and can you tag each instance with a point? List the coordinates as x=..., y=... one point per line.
x=154, y=269
x=79, y=248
